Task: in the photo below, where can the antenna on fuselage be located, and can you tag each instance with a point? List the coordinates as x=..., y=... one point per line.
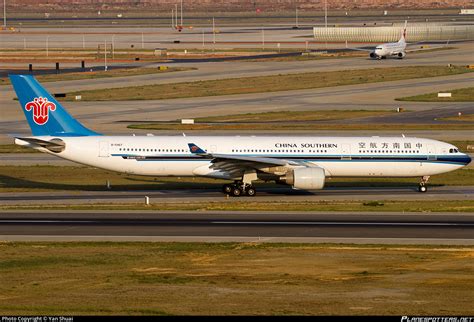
x=184, y=134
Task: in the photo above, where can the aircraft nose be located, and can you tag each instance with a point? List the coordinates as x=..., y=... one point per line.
x=468, y=159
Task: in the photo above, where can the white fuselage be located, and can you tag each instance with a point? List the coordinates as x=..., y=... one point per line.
x=390, y=49
x=338, y=156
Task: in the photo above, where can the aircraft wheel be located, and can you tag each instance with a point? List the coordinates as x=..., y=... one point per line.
x=236, y=191
x=251, y=191
x=227, y=189
x=422, y=188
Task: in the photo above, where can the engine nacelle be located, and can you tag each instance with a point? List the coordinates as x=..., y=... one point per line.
x=312, y=178
x=401, y=55
x=372, y=55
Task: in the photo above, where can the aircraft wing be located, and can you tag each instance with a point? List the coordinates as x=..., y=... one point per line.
x=422, y=48
x=360, y=49
x=236, y=164
x=55, y=145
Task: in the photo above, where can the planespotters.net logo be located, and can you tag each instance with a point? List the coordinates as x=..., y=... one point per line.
x=437, y=319
x=41, y=108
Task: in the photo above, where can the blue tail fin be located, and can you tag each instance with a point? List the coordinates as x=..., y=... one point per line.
x=44, y=114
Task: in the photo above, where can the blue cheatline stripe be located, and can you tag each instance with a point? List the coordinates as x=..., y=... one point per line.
x=312, y=158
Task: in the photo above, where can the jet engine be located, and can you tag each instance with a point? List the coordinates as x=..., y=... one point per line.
x=401, y=55
x=311, y=178
x=372, y=55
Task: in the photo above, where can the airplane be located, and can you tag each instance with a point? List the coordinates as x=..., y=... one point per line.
x=391, y=49
x=397, y=49
x=301, y=162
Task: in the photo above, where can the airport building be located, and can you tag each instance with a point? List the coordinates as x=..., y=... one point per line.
x=415, y=32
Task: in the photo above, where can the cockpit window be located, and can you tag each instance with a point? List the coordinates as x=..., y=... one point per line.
x=378, y=47
x=453, y=150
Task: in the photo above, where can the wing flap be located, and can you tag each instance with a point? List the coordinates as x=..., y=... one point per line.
x=238, y=164
x=261, y=160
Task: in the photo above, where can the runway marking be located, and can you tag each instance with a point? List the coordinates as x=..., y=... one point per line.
x=46, y=221
x=294, y=223
x=259, y=239
x=338, y=223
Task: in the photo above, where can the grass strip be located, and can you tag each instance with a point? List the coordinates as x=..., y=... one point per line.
x=303, y=127
x=261, y=84
x=292, y=116
x=139, y=278
x=119, y=72
x=235, y=204
x=457, y=95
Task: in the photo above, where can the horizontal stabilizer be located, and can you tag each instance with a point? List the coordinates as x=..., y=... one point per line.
x=55, y=145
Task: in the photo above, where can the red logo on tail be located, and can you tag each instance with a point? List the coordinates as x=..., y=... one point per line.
x=40, y=107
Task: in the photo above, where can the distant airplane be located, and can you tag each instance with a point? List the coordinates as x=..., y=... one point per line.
x=390, y=49
x=301, y=162
x=394, y=49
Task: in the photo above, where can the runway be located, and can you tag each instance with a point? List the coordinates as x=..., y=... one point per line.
x=444, y=228
x=267, y=194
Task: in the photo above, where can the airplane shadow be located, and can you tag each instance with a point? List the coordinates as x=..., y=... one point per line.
x=155, y=184
x=9, y=182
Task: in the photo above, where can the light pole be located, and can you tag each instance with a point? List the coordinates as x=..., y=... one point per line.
x=181, y=13
x=326, y=13
x=176, y=15
x=5, y=14
x=105, y=54
x=172, y=18
x=296, y=17
x=326, y=19
x=113, y=47
x=213, y=31
x=203, y=39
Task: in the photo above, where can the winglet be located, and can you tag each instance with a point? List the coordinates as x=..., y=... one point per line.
x=194, y=149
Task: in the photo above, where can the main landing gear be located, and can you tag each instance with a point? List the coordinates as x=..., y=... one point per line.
x=238, y=189
x=422, y=186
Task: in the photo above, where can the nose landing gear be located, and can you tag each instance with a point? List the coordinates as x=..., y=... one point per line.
x=422, y=186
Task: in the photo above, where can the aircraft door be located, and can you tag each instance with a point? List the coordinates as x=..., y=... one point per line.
x=346, y=152
x=431, y=152
x=103, y=149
